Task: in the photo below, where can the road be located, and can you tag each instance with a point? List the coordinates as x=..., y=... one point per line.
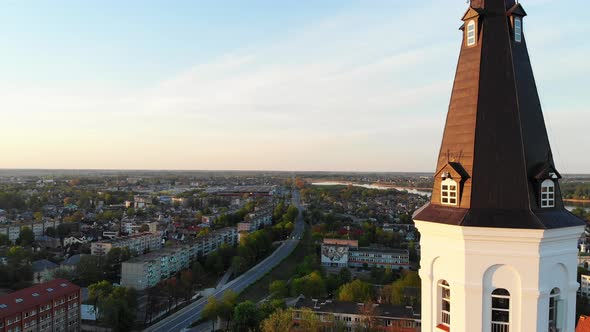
x=184, y=317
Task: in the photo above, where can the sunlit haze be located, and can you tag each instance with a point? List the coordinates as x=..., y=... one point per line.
x=273, y=85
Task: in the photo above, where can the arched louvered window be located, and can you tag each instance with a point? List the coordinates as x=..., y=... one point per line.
x=554, y=301
x=471, y=38
x=500, y=310
x=547, y=194
x=445, y=303
x=518, y=29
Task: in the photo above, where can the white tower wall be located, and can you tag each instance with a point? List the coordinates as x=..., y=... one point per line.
x=529, y=263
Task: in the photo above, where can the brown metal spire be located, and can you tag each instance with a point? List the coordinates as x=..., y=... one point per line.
x=495, y=145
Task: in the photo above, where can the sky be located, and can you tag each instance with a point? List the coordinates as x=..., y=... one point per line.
x=331, y=85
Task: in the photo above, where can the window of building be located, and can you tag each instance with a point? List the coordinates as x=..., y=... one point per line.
x=445, y=303
x=448, y=192
x=471, y=33
x=518, y=29
x=553, y=312
x=547, y=194
x=500, y=310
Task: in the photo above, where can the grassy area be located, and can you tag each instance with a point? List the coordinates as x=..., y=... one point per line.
x=284, y=271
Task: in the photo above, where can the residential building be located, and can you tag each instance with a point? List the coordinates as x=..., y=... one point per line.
x=38, y=228
x=346, y=253
x=262, y=216
x=42, y=270
x=352, y=316
x=142, y=201
x=498, y=247
x=50, y=306
x=378, y=257
x=70, y=240
x=147, y=270
x=585, y=285
x=138, y=244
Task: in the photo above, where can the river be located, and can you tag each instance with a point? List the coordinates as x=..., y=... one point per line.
x=568, y=205
x=373, y=186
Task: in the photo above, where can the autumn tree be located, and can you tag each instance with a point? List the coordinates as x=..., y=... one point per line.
x=227, y=305
x=394, y=293
x=278, y=289
x=356, y=291
x=211, y=311
x=280, y=320
x=247, y=317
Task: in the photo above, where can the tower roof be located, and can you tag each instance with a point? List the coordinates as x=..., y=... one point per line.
x=495, y=143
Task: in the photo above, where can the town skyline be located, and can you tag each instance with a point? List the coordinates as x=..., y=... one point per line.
x=342, y=87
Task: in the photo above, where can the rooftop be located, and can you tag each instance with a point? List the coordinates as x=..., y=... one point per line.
x=341, y=307
x=30, y=297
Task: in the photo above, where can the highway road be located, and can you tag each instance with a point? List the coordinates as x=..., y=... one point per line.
x=184, y=317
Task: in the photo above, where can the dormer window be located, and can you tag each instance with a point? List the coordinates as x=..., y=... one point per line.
x=547, y=194
x=448, y=192
x=471, y=33
x=518, y=29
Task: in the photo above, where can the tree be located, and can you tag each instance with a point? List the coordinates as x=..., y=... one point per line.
x=246, y=316
x=211, y=310
x=50, y=231
x=198, y=273
x=356, y=291
x=89, y=269
x=144, y=228
x=266, y=308
x=199, y=216
x=394, y=293
x=26, y=237
x=227, y=305
x=117, y=307
x=214, y=262
x=62, y=273
x=63, y=230
x=99, y=291
x=113, y=260
x=239, y=264
x=280, y=320
x=278, y=289
x=4, y=240
x=38, y=216
x=344, y=275
x=309, y=321
x=187, y=283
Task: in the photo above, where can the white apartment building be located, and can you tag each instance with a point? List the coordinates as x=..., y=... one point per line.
x=138, y=244
x=13, y=230
x=147, y=270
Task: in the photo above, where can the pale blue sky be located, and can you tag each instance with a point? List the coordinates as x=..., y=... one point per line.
x=282, y=85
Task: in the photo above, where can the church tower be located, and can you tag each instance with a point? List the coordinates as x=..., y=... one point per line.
x=498, y=248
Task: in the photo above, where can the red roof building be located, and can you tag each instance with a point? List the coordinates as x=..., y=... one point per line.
x=583, y=324
x=51, y=306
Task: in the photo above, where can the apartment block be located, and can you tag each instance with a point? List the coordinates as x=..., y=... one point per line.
x=147, y=270
x=138, y=243
x=352, y=316
x=51, y=306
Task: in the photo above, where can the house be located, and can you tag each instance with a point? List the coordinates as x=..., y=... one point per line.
x=42, y=270
x=68, y=241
